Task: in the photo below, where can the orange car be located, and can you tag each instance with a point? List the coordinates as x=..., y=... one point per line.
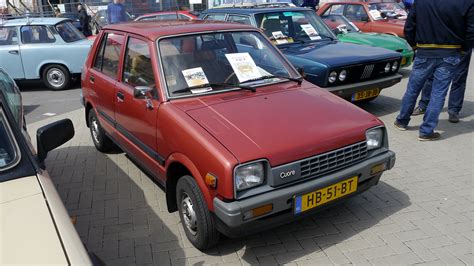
x=369, y=16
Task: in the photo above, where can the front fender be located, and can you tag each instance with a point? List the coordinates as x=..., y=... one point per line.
x=185, y=161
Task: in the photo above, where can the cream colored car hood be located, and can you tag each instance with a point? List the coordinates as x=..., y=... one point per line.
x=27, y=231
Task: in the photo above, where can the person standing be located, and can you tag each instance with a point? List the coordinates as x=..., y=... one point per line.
x=116, y=12
x=310, y=3
x=456, y=94
x=438, y=54
x=84, y=20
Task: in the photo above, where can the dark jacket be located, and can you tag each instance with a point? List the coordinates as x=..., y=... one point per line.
x=440, y=28
x=84, y=22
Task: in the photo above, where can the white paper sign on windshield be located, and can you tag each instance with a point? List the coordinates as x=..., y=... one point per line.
x=310, y=31
x=375, y=14
x=195, y=77
x=243, y=66
x=279, y=37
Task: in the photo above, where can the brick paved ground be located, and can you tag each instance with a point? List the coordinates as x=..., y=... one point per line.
x=420, y=213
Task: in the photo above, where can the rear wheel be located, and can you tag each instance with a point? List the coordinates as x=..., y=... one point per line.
x=100, y=139
x=195, y=217
x=56, y=77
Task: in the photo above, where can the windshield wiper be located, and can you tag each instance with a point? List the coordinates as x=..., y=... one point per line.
x=212, y=85
x=298, y=80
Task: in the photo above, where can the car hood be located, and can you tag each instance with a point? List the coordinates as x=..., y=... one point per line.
x=285, y=125
x=375, y=39
x=29, y=233
x=338, y=54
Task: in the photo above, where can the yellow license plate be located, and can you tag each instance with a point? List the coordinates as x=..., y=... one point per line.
x=404, y=61
x=361, y=95
x=322, y=196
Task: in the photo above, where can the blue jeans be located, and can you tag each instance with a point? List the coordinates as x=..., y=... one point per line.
x=458, y=87
x=442, y=70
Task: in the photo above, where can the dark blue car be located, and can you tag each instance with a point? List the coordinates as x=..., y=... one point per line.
x=352, y=71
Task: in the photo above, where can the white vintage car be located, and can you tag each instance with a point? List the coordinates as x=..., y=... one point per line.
x=35, y=227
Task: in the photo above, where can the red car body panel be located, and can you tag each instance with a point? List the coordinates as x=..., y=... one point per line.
x=388, y=26
x=212, y=134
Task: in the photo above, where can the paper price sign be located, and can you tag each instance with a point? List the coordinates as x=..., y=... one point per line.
x=195, y=77
x=310, y=31
x=244, y=67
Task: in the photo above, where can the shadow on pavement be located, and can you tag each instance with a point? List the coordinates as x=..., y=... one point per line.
x=121, y=214
x=37, y=85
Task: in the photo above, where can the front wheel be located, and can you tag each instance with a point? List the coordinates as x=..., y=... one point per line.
x=56, y=77
x=195, y=217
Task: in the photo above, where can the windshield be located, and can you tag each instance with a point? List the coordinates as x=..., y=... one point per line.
x=290, y=26
x=340, y=22
x=389, y=10
x=68, y=32
x=9, y=154
x=232, y=58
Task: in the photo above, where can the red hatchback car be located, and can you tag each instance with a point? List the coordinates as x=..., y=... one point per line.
x=215, y=113
x=369, y=16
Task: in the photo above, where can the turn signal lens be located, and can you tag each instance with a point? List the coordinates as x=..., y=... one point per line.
x=211, y=180
x=258, y=211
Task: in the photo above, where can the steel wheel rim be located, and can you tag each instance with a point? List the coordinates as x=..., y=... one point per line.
x=55, y=77
x=95, y=130
x=189, y=215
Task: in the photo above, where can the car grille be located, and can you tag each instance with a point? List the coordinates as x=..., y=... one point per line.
x=367, y=71
x=334, y=159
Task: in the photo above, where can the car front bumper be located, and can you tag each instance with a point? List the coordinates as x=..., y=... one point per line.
x=229, y=216
x=346, y=91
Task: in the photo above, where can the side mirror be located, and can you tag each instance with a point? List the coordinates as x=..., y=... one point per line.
x=53, y=135
x=383, y=14
x=142, y=92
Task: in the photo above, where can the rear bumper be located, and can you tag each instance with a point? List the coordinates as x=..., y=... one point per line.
x=229, y=216
x=346, y=91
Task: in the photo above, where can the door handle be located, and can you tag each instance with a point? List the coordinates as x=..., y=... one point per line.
x=92, y=79
x=13, y=52
x=120, y=97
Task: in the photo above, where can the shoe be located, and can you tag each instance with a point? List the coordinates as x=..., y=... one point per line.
x=453, y=118
x=432, y=136
x=418, y=111
x=399, y=126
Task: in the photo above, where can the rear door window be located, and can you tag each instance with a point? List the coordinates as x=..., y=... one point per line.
x=239, y=19
x=108, y=56
x=216, y=16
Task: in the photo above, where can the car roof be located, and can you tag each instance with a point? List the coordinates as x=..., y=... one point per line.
x=32, y=21
x=156, y=29
x=253, y=10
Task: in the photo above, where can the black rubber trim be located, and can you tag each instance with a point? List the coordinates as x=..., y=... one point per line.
x=145, y=148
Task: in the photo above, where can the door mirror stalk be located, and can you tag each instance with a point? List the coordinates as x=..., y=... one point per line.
x=144, y=92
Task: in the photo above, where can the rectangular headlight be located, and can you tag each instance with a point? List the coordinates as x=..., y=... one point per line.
x=374, y=138
x=249, y=175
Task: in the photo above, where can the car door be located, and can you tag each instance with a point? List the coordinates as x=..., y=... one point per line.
x=136, y=114
x=10, y=57
x=357, y=15
x=103, y=77
x=37, y=46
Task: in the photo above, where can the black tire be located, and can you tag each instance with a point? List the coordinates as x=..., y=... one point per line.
x=101, y=141
x=56, y=77
x=206, y=235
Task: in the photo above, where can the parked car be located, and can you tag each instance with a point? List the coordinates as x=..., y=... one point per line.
x=354, y=72
x=235, y=136
x=168, y=15
x=50, y=49
x=36, y=228
x=369, y=16
x=347, y=32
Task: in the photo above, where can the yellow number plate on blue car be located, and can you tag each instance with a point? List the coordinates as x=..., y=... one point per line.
x=367, y=94
x=324, y=195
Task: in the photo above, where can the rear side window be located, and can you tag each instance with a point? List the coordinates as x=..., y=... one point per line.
x=108, y=56
x=138, y=69
x=239, y=19
x=9, y=151
x=36, y=34
x=215, y=17
x=8, y=36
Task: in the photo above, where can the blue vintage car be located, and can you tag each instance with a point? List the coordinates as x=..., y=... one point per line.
x=352, y=71
x=50, y=49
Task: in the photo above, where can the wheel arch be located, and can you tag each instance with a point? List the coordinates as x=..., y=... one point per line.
x=44, y=65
